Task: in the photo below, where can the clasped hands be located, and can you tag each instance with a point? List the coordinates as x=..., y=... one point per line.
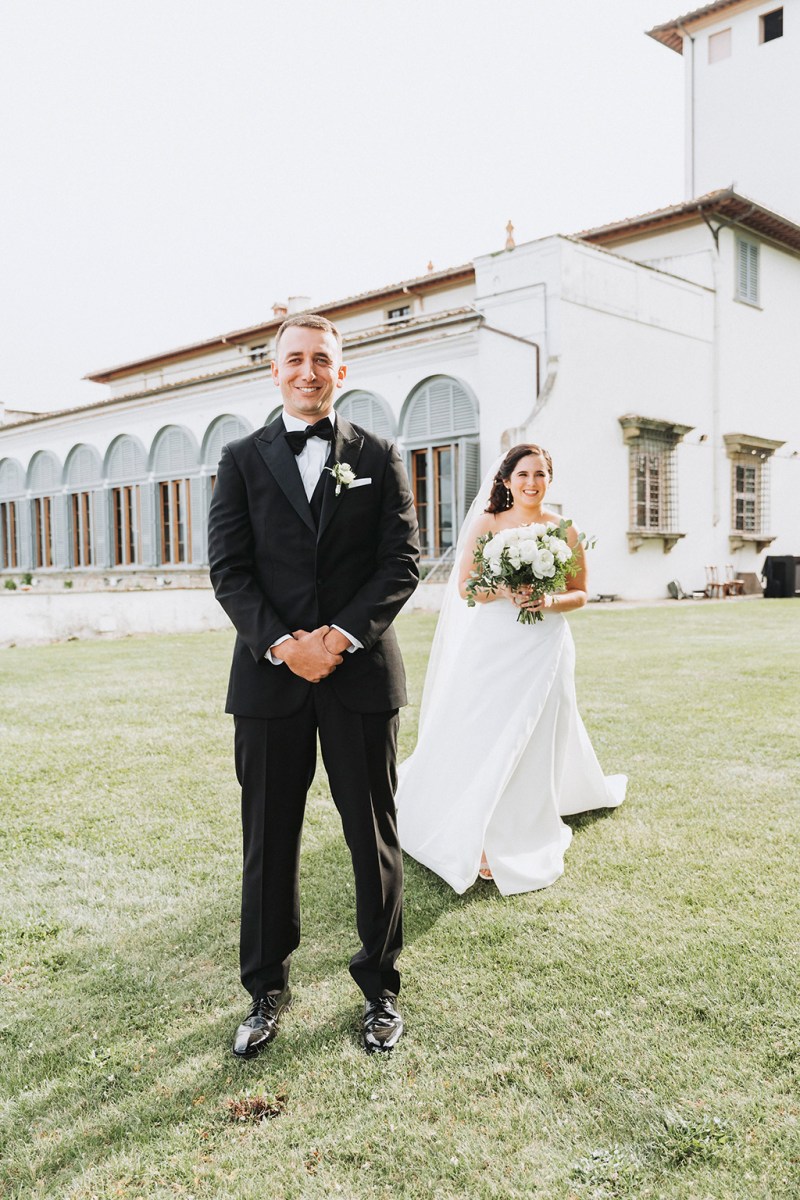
x=313, y=655
x=522, y=597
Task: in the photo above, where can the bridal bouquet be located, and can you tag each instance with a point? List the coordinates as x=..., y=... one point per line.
x=536, y=557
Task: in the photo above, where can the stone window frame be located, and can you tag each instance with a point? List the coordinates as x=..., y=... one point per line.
x=637, y=433
x=745, y=449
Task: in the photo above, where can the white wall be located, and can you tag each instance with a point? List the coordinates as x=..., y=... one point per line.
x=746, y=108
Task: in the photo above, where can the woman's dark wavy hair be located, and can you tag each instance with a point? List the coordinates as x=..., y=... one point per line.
x=499, y=497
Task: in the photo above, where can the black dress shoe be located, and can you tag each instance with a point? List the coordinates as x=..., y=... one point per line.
x=382, y=1026
x=260, y=1026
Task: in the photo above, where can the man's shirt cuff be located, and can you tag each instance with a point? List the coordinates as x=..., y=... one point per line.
x=270, y=657
x=355, y=643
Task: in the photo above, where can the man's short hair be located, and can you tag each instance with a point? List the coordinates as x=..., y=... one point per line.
x=309, y=321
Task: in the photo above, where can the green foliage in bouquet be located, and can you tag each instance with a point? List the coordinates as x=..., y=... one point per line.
x=537, y=558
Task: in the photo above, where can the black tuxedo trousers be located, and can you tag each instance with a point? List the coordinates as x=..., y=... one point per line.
x=275, y=762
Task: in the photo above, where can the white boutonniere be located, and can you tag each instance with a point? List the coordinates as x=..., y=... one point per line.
x=344, y=475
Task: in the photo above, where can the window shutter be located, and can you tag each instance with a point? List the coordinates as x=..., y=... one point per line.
x=369, y=411
x=12, y=480
x=441, y=408
x=174, y=454
x=747, y=271
x=223, y=430
x=198, y=504
x=60, y=519
x=44, y=473
x=25, y=535
x=147, y=510
x=84, y=468
x=472, y=475
x=127, y=461
x=101, y=552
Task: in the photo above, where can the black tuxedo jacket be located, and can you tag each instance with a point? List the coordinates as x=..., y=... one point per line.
x=274, y=571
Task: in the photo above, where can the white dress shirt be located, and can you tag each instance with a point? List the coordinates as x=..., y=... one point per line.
x=310, y=462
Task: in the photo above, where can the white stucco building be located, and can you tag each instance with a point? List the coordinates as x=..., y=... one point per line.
x=654, y=357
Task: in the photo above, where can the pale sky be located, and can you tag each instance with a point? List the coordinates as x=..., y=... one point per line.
x=173, y=167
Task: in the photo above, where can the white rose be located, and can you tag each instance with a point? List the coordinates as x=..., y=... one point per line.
x=528, y=550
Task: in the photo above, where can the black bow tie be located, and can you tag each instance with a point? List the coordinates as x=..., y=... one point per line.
x=297, y=438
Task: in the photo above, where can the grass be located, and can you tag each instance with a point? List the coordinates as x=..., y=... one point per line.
x=630, y=1032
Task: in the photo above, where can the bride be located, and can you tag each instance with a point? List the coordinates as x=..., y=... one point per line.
x=502, y=753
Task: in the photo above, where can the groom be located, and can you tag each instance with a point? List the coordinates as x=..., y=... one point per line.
x=312, y=562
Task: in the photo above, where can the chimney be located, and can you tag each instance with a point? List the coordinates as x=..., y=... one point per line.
x=299, y=303
x=280, y=308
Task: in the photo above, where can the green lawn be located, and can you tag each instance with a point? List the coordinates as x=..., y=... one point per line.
x=630, y=1032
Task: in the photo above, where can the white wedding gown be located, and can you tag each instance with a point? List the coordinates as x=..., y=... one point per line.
x=502, y=753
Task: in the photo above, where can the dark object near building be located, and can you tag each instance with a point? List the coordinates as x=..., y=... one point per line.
x=781, y=574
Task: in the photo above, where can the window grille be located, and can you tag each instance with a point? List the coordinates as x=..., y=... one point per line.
x=747, y=264
x=654, y=491
x=750, y=487
x=652, y=479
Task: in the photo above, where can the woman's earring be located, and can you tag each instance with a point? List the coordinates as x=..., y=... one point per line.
x=509, y=498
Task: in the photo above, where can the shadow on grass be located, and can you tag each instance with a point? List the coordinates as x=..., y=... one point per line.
x=580, y=821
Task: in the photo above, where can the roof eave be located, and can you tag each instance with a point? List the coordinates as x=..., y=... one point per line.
x=429, y=282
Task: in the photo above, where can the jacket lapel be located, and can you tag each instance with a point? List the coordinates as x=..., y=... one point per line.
x=277, y=454
x=347, y=446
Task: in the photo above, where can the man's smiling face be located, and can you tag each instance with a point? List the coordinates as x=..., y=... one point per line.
x=308, y=369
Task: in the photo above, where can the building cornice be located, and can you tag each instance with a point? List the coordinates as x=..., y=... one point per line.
x=432, y=282
x=670, y=33
x=724, y=204
x=403, y=333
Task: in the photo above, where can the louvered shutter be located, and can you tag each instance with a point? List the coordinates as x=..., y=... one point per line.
x=101, y=541
x=369, y=411
x=199, y=510
x=60, y=531
x=174, y=455
x=83, y=469
x=44, y=473
x=147, y=532
x=127, y=461
x=224, y=429
x=12, y=480
x=441, y=408
x=747, y=270
x=470, y=460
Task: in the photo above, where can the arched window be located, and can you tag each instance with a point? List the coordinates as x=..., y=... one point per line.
x=47, y=516
x=439, y=429
x=221, y=431
x=125, y=472
x=12, y=493
x=83, y=473
x=369, y=411
x=175, y=463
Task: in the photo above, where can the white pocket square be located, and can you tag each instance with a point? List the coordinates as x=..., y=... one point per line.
x=359, y=483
